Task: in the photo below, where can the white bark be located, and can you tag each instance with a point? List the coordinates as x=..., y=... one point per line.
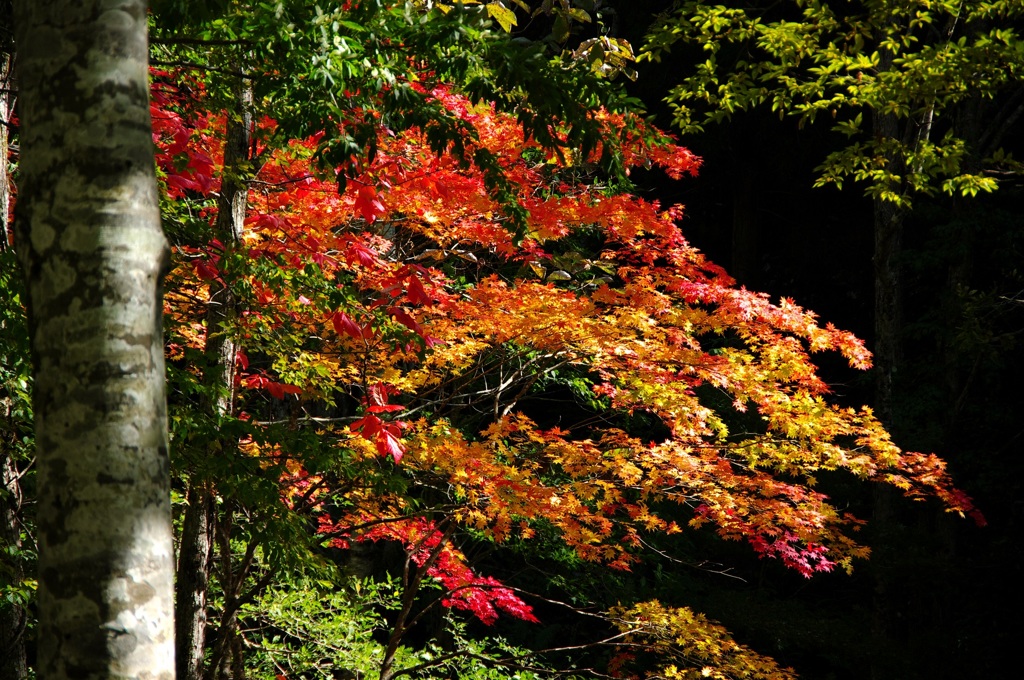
x=88, y=234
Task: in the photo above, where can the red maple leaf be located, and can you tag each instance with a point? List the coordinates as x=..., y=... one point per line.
x=385, y=436
x=368, y=204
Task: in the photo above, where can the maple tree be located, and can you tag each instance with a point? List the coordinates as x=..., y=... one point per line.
x=414, y=300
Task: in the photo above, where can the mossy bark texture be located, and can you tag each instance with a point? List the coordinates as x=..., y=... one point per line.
x=88, y=233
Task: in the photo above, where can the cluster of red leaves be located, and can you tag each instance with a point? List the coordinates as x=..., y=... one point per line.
x=189, y=150
x=428, y=547
x=386, y=435
x=294, y=220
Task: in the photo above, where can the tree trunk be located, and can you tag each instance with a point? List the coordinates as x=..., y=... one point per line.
x=193, y=581
x=13, y=617
x=888, y=237
x=6, y=98
x=888, y=316
x=888, y=307
x=221, y=347
x=88, y=234
x=195, y=559
x=744, y=228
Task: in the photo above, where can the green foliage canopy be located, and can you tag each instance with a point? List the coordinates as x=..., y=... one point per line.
x=932, y=69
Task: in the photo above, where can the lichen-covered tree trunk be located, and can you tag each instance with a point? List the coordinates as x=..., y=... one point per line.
x=87, y=231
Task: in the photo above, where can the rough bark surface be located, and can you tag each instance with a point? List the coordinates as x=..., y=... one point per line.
x=193, y=581
x=88, y=234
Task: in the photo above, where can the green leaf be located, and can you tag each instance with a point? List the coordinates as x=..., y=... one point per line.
x=503, y=15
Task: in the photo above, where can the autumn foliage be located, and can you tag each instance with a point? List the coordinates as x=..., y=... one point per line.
x=410, y=321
